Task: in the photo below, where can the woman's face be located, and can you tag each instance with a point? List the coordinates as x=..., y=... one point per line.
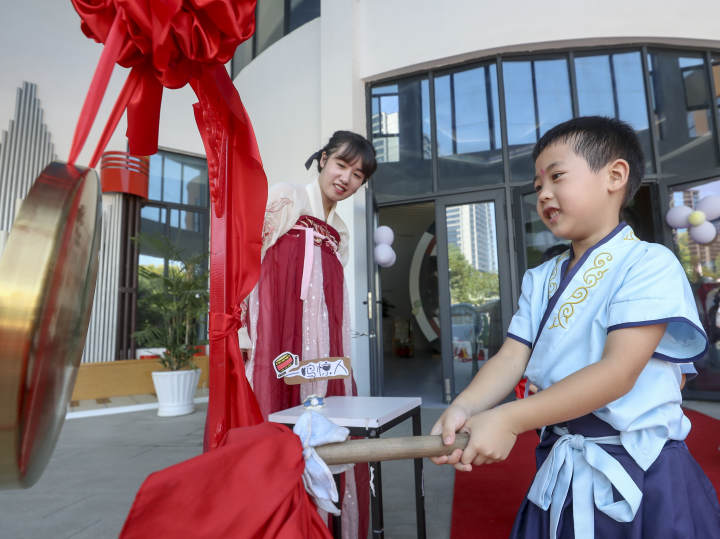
x=339, y=179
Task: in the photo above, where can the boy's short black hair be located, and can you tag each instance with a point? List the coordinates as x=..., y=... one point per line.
x=600, y=140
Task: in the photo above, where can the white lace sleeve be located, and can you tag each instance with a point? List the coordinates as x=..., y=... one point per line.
x=286, y=202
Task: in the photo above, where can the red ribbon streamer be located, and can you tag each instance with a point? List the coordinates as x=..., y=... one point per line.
x=169, y=44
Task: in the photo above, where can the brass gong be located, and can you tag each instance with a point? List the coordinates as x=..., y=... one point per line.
x=47, y=282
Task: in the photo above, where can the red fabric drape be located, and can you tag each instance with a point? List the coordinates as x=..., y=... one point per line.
x=169, y=44
x=239, y=195
x=249, y=487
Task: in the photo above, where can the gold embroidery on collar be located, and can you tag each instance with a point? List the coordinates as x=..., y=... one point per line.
x=591, y=278
x=630, y=236
x=553, y=283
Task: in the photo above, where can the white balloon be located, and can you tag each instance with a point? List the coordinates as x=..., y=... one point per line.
x=384, y=234
x=392, y=260
x=384, y=255
x=676, y=217
x=703, y=233
x=710, y=206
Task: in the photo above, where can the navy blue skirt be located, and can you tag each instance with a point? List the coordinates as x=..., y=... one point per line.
x=678, y=502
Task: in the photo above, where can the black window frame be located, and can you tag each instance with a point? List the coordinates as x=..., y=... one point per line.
x=251, y=42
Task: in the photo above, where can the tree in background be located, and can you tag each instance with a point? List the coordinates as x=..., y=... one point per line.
x=468, y=285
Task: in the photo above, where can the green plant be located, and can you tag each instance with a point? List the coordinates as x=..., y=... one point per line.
x=468, y=285
x=172, y=303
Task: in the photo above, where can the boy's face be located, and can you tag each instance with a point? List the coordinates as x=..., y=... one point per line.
x=572, y=200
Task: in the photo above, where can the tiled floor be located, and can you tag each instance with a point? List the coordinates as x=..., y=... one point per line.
x=99, y=463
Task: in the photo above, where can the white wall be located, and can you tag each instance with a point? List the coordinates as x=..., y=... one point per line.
x=42, y=43
x=298, y=92
x=404, y=35
x=343, y=107
x=281, y=92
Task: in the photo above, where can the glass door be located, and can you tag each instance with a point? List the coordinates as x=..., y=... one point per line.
x=700, y=257
x=474, y=284
x=407, y=320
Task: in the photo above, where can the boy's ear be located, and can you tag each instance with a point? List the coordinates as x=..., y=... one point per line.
x=618, y=173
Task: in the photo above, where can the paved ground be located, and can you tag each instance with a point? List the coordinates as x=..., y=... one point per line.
x=100, y=461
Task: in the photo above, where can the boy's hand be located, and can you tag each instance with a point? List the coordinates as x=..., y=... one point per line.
x=491, y=439
x=451, y=421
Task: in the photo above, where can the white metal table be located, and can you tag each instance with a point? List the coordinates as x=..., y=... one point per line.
x=369, y=417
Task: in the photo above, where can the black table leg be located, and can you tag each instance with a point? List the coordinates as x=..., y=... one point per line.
x=376, y=505
x=419, y=482
x=376, y=502
x=337, y=519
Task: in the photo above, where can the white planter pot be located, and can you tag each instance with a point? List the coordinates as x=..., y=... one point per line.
x=175, y=391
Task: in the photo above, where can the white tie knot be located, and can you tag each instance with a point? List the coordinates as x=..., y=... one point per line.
x=577, y=442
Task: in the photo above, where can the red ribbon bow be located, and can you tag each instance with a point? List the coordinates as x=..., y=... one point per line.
x=168, y=43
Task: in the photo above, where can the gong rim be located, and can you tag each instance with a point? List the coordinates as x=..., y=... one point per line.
x=48, y=271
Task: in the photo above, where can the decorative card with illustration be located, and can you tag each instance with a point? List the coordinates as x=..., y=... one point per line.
x=289, y=367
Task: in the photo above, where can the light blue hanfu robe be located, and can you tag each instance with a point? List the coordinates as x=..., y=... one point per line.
x=565, y=317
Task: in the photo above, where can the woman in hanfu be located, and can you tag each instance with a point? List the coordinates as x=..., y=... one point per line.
x=300, y=303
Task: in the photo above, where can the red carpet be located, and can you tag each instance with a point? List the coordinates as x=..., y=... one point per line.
x=485, y=500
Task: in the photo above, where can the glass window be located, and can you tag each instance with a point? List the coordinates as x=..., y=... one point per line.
x=189, y=229
x=613, y=85
x=179, y=179
x=302, y=11
x=155, y=177
x=468, y=128
x=716, y=77
x=186, y=230
x=243, y=56
x=270, y=18
x=182, y=213
x=163, y=232
x=195, y=185
x=172, y=180
x=400, y=120
x=701, y=262
x=176, y=212
x=682, y=112
x=537, y=97
x=152, y=222
x=270, y=22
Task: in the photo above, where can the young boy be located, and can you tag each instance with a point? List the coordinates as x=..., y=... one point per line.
x=604, y=330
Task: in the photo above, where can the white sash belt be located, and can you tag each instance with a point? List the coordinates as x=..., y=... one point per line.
x=593, y=473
